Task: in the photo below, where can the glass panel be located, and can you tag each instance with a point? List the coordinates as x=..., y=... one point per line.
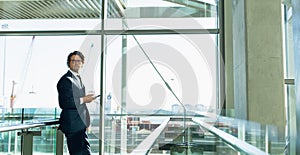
x=33, y=65
x=43, y=144
x=170, y=14
x=187, y=63
x=138, y=14
x=10, y=142
x=14, y=118
x=264, y=137
x=289, y=74
x=170, y=8
x=289, y=50
x=291, y=120
x=138, y=128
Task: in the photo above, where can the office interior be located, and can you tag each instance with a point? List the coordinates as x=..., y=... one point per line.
x=192, y=77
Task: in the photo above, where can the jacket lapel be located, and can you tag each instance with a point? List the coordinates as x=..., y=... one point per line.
x=74, y=80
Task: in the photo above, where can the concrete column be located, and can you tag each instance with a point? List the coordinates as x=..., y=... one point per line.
x=258, y=62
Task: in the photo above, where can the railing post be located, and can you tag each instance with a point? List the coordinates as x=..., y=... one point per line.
x=59, y=142
x=28, y=141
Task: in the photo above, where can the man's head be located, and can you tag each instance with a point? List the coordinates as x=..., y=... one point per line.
x=75, y=61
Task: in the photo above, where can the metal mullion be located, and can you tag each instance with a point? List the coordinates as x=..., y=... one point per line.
x=162, y=31
x=221, y=105
x=107, y=32
x=42, y=33
x=103, y=42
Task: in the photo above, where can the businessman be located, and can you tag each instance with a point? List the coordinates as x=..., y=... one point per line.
x=74, y=118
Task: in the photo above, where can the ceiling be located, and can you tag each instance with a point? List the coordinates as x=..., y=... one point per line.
x=90, y=9
x=58, y=9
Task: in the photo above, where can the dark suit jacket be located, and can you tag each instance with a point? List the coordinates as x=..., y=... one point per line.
x=74, y=116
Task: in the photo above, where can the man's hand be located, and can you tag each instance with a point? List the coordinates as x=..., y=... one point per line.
x=88, y=98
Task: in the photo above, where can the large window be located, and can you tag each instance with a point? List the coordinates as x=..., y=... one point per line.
x=187, y=63
x=35, y=64
x=161, y=58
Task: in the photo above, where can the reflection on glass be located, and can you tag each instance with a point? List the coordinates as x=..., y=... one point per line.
x=32, y=68
x=289, y=74
x=170, y=8
x=161, y=14
x=188, y=68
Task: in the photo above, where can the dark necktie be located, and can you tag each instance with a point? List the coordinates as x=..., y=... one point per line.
x=80, y=80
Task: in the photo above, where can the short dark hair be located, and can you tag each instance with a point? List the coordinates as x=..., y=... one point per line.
x=75, y=53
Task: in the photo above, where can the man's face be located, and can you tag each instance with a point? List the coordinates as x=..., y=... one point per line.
x=75, y=63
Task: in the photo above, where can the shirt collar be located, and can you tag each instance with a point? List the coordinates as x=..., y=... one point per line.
x=74, y=73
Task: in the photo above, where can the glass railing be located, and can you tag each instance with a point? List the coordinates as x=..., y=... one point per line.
x=143, y=134
x=222, y=136
x=268, y=138
x=11, y=116
x=17, y=123
x=150, y=134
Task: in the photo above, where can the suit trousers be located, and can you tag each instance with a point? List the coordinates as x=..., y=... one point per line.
x=78, y=143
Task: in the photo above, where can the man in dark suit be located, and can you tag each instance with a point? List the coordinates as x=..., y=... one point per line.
x=74, y=118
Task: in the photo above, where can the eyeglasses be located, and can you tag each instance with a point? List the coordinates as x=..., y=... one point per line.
x=74, y=61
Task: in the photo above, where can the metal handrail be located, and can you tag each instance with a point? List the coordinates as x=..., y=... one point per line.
x=231, y=140
x=28, y=125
